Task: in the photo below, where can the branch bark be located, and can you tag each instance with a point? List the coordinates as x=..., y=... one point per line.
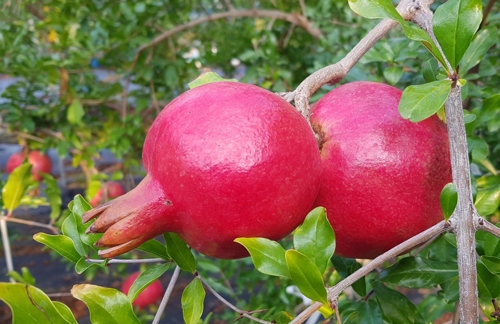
x=293, y=18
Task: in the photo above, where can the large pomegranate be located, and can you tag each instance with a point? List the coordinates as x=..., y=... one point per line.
x=224, y=160
x=109, y=190
x=382, y=175
x=39, y=163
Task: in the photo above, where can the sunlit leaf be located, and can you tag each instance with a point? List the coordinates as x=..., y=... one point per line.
x=154, y=247
x=448, y=198
x=268, y=256
x=208, y=77
x=146, y=277
x=15, y=187
x=106, y=305
x=59, y=243
x=75, y=112
x=419, y=102
x=306, y=276
x=487, y=200
x=192, y=301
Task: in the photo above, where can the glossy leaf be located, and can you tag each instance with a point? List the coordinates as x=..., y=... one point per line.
x=25, y=277
x=451, y=290
x=369, y=312
x=306, y=276
x=417, y=272
x=345, y=267
x=449, y=199
x=15, y=187
x=490, y=243
x=59, y=243
x=79, y=206
x=31, y=305
x=396, y=307
x=385, y=9
x=488, y=284
x=492, y=263
x=192, y=301
x=315, y=238
x=487, y=200
x=419, y=102
x=54, y=194
x=482, y=42
x=145, y=279
x=70, y=229
x=179, y=251
x=75, y=112
x=430, y=70
x=454, y=23
x=267, y=256
x=208, y=77
x=154, y=247
x=106, y=305
x=83, y=265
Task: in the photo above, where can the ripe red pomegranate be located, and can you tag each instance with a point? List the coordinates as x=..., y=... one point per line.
x=149, y=296
x=109, y=190
x=40, y=163
x=223, y=160
x=382, y=175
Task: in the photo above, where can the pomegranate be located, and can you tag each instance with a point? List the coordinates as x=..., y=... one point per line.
x=223, y=160
x=382, y=175
x=149, y=296
x=40, y=163
x=109, y=190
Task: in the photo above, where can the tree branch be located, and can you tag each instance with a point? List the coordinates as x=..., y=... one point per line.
x=334, y=292
x=293, y=18
x=484, y=225
x=167, y=295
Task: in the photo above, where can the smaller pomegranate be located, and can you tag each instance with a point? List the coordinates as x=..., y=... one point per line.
x=149, y=296
x=40, y=163
x=109, y=190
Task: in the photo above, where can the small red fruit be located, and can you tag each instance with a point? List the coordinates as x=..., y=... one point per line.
x=109, y=190
x=40, y=163
x=382, y=175
x=149, y=296
x=224, y=160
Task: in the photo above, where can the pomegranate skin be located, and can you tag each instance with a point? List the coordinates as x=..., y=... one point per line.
x=382, y=175
x=40, y=163
x=224, y=160
x=149, y=296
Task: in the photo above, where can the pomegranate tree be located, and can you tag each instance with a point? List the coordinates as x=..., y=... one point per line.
x=39, y=163
x=382, y=175
x=223, y=160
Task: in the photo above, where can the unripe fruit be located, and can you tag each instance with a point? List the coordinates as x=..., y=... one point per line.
x=224, y=160
x=149, y=296
x=109, y=190
x=39, y=163
x=382, y=175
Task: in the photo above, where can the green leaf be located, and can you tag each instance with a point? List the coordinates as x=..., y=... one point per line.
x=454, y=23
x=31, y=305
x=16, y=185
x=83, y=265
x=25, y=278
x=488, y=284
x=192, y=301
x=78, y=207
x=431, y=70
x=395, y=306
x=267, y=256
x=179, y=251
x=492, y=263
x=54, y=194
x=393, y=74
x=70, y=229
x=449, y=199
x=208, y=77
x=106, y=305
x=145, y=279
x=59, y=243
x=315, y=238
x=487, y=200
x=489, y=242
x=345, y=267
x=419, y=102
x=417, y=272
x=280, y=318
x=369, y=312
x=75, y=112
x=373, y=9
x=478, y=147
x=154, y=247
x=306, y=276
x=483, y=41
x=451, y=290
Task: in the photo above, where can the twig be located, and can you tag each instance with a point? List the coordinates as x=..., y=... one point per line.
x=334, y=292
x=228, y=304
x=464, y=216
x=486, y=12
x=485, y=225
x=111, y=261
x=30, y=223
x=335, y=73
x=6, y=245
x=293, y=18
x=167, y=295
